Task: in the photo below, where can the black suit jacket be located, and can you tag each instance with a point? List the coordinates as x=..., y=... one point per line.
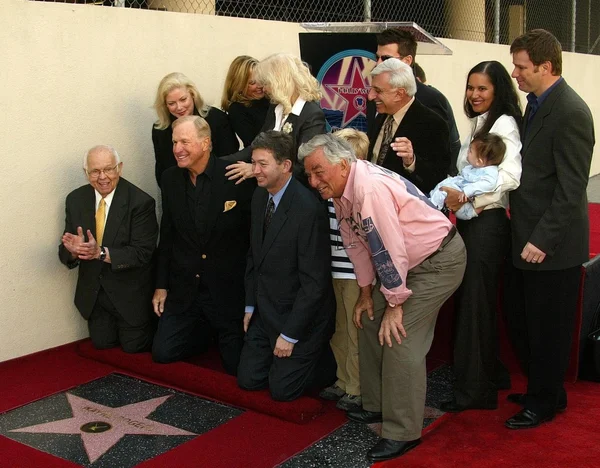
x=223, y=140
x=309, y=123
x=428, y=134
x=130, y=236
x=247, y=121
x=433, y=99
x=288, y=276
x=219, y=263
x=549, y=209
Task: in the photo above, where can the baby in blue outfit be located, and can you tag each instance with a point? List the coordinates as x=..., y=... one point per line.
x=478, y=177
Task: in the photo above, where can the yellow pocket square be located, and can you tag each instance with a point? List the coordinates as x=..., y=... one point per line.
x=229, y=205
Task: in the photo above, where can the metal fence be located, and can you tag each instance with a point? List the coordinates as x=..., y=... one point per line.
x=576, y=23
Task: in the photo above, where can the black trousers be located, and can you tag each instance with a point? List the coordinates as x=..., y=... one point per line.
x=108, y=328
x=311, y=364
x=477, y=366
x=541, y=310
x=185, y=332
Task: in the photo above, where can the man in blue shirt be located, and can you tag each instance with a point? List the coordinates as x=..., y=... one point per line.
x=549, y=222
x=290, y=306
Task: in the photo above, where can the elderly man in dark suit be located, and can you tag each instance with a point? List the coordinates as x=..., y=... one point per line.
x=550, y=227
x=114, y=286
x=401, y=44
x=204, y=238
x=290, y=306
x=407, y=138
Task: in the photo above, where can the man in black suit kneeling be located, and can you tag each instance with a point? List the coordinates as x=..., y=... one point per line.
x=290, y=306
x=204, y=237
x=110, y=234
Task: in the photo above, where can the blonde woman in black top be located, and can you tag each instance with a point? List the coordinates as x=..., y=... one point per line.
x=244, y=99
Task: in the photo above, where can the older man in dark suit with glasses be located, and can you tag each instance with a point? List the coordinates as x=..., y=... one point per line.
x=110, y=234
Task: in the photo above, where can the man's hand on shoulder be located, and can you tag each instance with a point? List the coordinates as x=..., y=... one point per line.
x=283, y=348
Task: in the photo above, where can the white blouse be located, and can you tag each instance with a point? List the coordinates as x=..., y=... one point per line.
x=509, y=170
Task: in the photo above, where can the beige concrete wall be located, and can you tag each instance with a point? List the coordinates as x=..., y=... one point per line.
x=466, y=19
x=72, y=76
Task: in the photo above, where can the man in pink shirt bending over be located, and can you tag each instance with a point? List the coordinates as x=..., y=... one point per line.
x=398, y=241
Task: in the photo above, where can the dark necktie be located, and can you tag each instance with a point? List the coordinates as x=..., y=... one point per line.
x=268, y=215
x=386, y=140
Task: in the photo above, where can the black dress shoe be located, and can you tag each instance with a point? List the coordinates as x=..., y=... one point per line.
x=364, y=416
x=519, y=399
x=526, y=419
x=386, y=449
x=453, y=407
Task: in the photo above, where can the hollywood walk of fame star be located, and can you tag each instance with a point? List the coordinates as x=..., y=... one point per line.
x=354, y=94
x=101, y=426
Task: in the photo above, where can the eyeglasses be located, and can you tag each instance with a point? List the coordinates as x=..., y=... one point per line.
x=383, y=58
x=354, y=231
x=339, y=244
x=108, y=172
x=379, y=92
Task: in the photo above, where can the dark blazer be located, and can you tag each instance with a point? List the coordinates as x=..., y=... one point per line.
x=247, y=121
x=219, y=262
x=130, y=234
x=549, y=209
x=433, y=99
x=288, y=276
x=309, y=123
x=428, y=134
x=223, y=140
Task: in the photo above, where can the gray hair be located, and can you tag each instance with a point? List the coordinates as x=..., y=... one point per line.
x=334, y=148
x=93, y=149
x=401, y=75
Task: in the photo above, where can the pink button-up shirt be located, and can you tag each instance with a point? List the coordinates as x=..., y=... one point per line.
x=388, y=226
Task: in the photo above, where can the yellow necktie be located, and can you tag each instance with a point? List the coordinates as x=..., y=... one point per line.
x=100, y=217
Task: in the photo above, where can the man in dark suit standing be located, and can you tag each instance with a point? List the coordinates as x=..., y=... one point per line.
x=114, y=285
x=407, y=138
x=204, y=238
x=401, y=44
x=290, y=306
x=550, y=227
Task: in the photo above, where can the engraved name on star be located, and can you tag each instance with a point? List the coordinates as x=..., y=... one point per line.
x=101, y=426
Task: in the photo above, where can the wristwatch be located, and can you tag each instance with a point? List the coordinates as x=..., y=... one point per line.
x=102, y=253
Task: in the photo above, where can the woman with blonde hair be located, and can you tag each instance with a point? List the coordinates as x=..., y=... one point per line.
x=294, y=109
x=176, y=97
x=244, y=99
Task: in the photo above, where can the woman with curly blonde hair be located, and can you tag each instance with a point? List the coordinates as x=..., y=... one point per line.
x=244, y=99
x=294, y=95
x=176, y=97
